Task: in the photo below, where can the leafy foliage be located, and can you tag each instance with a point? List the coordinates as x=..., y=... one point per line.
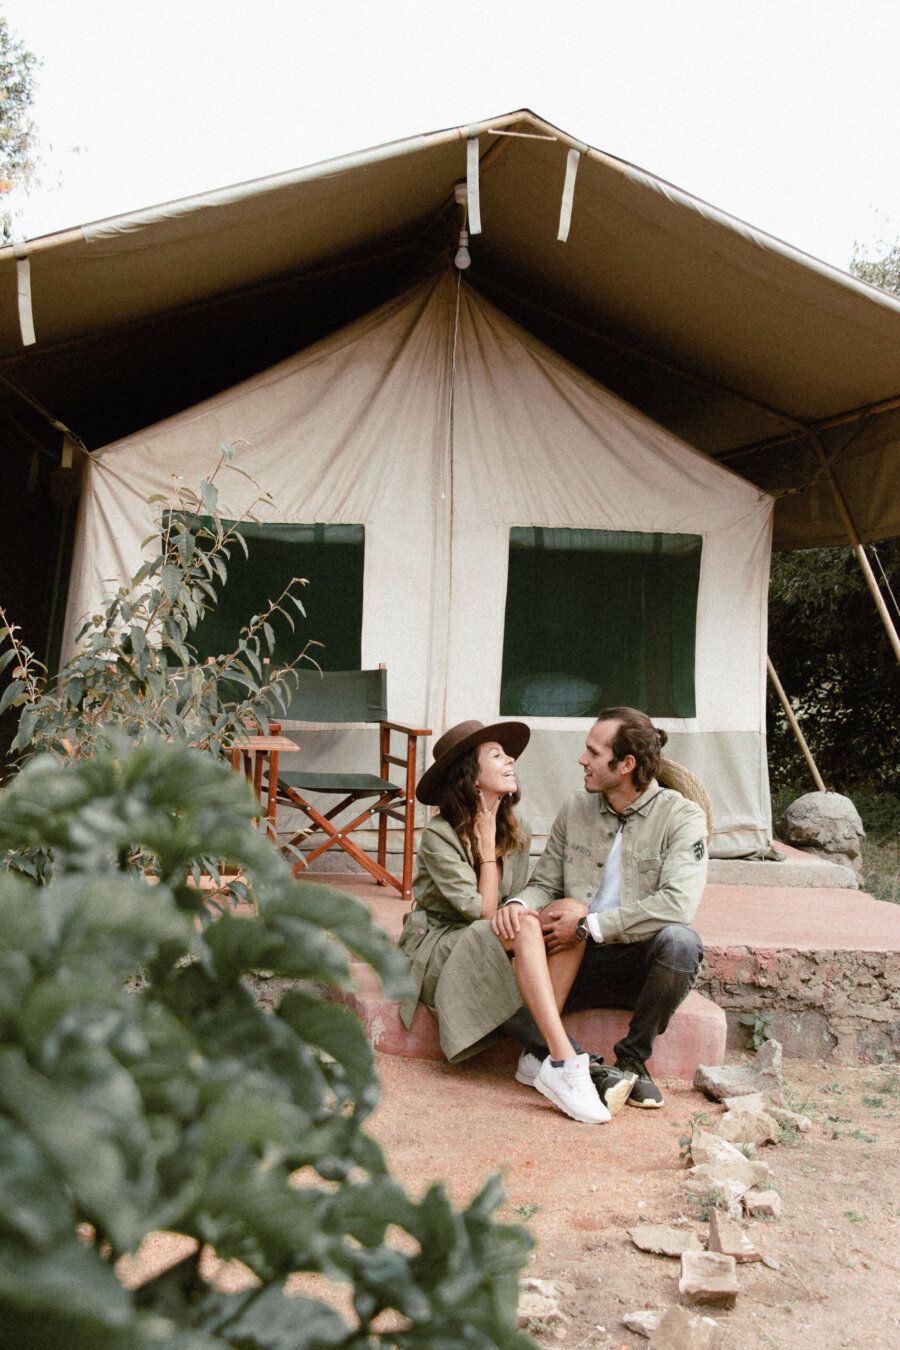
x=173, y=1102
x=833, y=658
x=883, y=271
x=134, y=665
x=17, y=136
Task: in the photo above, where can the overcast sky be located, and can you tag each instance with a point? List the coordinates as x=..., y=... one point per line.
x=783, y=112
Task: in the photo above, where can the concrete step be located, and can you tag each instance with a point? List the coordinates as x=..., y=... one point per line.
x=695, y=1035
x=825, y=961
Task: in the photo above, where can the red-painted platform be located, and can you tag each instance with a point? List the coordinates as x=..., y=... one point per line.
x=824, y=962
x=695, y=1035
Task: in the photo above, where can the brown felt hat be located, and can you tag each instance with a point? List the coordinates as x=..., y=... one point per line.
x=513, y=736
x=676, y=776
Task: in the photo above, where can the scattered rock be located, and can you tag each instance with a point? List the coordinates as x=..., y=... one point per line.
x=683, y=1330
x=742, y=1126
x=644, y=1321
x=711, y=1151
x=727, y=1236
x=539, y=1302
x=762, y=1204
x=741, y=1080
x=827, y=825
x=656, y=1237
x=721, y=1188
x=772, y=1103
x=708, y=1278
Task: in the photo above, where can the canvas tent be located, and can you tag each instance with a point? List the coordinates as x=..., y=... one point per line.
x=453, y=438
x=780, y=368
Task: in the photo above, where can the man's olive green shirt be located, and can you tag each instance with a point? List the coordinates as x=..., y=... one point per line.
x=663, y=861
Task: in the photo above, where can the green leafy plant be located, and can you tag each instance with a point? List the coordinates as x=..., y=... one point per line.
x=760, y=1028
x=172, y=1102
x=134, y=665
x=714, y=1198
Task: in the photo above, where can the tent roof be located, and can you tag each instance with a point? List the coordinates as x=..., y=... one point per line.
x=748, y=349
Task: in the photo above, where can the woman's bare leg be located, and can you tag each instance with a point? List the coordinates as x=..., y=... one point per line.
x=545, y=984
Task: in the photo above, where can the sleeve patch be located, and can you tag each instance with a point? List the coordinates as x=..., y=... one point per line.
x=699, y=850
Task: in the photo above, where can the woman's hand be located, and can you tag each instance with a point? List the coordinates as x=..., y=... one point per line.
x=486, y=827
x=507, y=921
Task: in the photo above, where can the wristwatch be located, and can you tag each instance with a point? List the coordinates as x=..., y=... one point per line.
x=582, y=932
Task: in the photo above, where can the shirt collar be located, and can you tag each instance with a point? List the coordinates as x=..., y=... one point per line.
x=639, y=806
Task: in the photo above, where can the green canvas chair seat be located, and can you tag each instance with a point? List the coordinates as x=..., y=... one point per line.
x=347, y=697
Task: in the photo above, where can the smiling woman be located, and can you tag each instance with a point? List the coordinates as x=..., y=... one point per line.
x=475, y=951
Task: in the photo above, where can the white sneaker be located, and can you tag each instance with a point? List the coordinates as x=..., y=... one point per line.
x=527, y=1068
x=568, y=1086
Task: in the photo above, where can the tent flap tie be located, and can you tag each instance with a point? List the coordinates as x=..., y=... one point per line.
x=472, y=185
x=23, y=285
x=568, y=196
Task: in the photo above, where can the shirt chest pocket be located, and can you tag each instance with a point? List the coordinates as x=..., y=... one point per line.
x=649, y=871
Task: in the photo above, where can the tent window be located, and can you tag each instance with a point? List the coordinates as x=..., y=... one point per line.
x=596, y=618
x=330, y=557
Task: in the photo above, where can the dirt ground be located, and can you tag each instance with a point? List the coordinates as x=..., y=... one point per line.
x=830, y=1274
x=832, y=1260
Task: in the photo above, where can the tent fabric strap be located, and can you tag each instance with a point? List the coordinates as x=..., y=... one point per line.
x=568, y=196
x=23, y=287
x=472, y=185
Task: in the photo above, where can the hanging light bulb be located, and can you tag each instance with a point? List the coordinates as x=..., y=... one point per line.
x=463, y=258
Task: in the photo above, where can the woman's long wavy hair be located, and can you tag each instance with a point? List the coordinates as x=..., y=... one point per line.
x=459, y=805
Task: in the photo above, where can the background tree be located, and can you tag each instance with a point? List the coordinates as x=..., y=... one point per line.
x=829, y=647
x=18, y=142
x=883, y=272
x=830, y=650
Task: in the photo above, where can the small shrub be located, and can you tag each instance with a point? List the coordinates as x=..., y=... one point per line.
x=760, y=1028
x=174, y=1103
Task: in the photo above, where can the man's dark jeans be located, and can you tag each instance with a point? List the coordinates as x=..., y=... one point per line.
x=652, y=977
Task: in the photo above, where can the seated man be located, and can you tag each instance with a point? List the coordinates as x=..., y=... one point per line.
x=623, y=872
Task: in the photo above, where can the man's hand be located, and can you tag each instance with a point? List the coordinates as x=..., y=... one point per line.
x=558, y=922
x=507, y=921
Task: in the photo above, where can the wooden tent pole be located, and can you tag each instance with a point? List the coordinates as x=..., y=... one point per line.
x=862, y=559
x=795, y=725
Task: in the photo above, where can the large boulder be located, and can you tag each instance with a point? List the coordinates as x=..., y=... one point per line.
x=827, y=825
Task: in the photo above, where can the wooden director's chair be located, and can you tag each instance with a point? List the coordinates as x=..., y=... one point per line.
x=330, y=701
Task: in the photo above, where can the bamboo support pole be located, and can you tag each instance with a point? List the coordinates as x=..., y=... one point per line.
x=795, y=725
x=861, y=556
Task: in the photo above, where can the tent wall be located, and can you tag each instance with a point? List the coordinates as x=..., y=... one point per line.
x=439, y=425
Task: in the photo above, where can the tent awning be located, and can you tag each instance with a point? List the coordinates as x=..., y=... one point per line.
x=744, y=347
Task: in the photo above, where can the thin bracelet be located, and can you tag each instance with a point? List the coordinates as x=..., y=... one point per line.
x=489, y=860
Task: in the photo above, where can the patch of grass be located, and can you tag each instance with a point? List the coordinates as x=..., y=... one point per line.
x=714, y=1198
x=789, y=1136
x=805, y=1105
x=881, y=870
x=526, y=1211
x=888, y=1087
x=853, y=1217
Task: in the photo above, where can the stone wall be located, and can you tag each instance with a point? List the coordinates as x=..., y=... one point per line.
x=835, y=1005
